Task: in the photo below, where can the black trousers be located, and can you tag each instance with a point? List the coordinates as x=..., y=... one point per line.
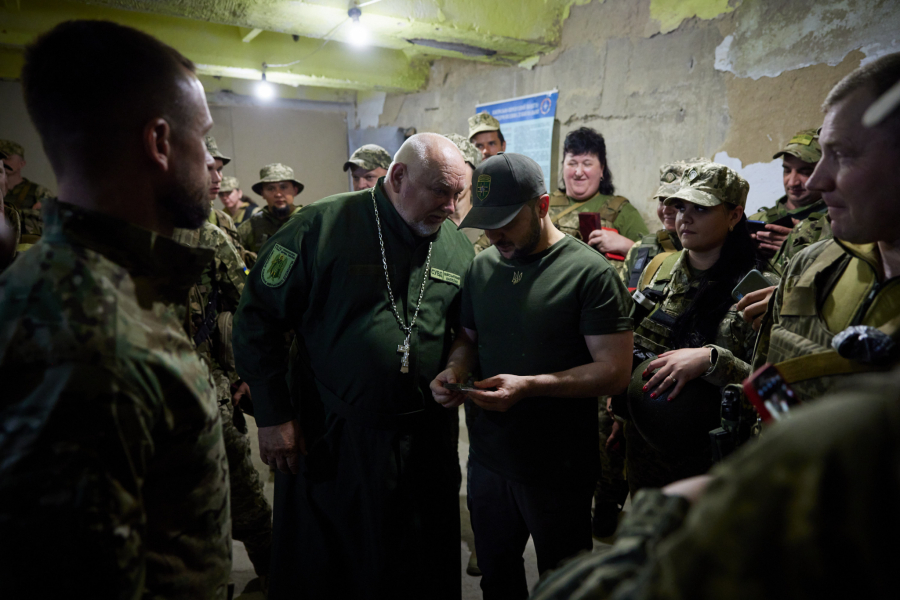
x=505, y=513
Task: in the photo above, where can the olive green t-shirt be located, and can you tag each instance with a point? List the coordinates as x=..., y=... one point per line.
x=531, y=316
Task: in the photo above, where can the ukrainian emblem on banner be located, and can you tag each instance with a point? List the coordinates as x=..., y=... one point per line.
x=483, y=187
x=278, y=265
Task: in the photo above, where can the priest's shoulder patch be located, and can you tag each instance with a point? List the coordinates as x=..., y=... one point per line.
x=445, y=276
x=278, y=266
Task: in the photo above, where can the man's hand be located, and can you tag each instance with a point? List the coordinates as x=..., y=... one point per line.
x=442, y=395
x=510, y=389
x=243, y=390
x=753, y=306
x=281, y=446
x=609, y=242
x=616, y=438
x=769, y=242
x=691, y=488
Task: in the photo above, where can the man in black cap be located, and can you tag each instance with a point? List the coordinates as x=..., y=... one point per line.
x=546, y=323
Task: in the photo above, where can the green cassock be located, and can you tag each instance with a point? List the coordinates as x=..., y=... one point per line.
x=374, y=510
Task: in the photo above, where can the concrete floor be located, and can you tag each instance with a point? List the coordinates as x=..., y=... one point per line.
x=247, y=587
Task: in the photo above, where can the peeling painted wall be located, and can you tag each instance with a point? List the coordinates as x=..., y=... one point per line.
x=664, y=80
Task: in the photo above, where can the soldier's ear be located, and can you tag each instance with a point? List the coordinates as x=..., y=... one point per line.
x=157, y=143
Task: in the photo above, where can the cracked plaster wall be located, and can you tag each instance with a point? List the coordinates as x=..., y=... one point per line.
x=660, y=96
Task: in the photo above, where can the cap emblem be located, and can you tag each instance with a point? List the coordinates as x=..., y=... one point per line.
x=483, y=187
x=693, y=175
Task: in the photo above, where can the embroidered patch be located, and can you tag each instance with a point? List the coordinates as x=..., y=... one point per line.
x=803, y=139
x=278, y=265
x=445, y=276
x=483, y=187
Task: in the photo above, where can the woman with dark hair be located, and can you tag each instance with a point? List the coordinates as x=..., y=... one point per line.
x=589, y=188
x=693, y=327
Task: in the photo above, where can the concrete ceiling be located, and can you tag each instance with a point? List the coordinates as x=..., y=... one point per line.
x=232, y=39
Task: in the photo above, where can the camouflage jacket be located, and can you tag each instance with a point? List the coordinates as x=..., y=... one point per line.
x=259, y=228
x=27, y=194
x=734, y=337
x=624, y=218
x=640, y=255
x=826, y=288
x=110, y=419
x=223, y=221
x=813, y=228
x=770, y=215
x=27, y=225
x=831, y=472
x=226, y=274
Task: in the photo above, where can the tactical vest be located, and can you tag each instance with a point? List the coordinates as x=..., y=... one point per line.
x=836, y=289
x=609, y=212
x=649, y=248
x=654, y=331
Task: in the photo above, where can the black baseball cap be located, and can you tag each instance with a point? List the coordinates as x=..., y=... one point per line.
x=501, y=185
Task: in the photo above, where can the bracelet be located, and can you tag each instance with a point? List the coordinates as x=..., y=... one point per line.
x=713, y=358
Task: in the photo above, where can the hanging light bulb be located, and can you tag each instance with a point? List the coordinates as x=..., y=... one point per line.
x=264, y=89
x=358, y=36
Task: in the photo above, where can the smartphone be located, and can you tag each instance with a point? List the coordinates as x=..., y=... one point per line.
x=770, y=394
x=588, y=222
x=756, y=226
x=785, y=221
x=751, y=282
x=466, y=387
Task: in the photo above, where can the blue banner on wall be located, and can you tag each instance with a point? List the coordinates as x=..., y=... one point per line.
x=527, y=126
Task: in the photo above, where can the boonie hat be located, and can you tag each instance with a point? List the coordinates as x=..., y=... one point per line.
x=213, y=149
x=9, y=147
x=804, y=145
x=369, y=157
x=711, y=184
x=229, y=184
x=468, y=149
x=501, y=185
x=482, y=122
x=670, y=176
x=274, y=173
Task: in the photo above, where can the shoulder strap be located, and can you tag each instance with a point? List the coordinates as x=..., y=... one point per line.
x=563, y=213
x=665, y=241
x=612, y=208
x=654, y=266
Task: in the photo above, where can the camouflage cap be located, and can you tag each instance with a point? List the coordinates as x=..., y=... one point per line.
x=481, y=122
x=274, y=173
x=9, y=147
x=213, y=149
x=711, y=184
x=229, y=184
x=804, y=145
x=670, y=176
x=501, y=186
x=369, y=157
x=468, y=149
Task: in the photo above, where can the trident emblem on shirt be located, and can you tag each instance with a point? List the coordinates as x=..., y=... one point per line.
x=517, y=277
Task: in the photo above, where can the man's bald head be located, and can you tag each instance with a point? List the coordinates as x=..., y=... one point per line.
x=424, y=181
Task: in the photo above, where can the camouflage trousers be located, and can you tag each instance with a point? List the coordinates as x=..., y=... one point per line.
x=612, y=488
x=647, y=467
x=251, y=515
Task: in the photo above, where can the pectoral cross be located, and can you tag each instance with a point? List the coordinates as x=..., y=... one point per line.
x=404, y=350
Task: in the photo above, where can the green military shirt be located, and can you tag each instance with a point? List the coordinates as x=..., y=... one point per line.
x=790, y=516
x=532, y=315
x=27, y=193
x=640, y=255
x=257, y=230
x=625, y=219
x=114, y=470
x=334, y=296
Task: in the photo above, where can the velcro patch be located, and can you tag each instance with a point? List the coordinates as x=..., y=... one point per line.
x=804, y=139
x=445, y=276
x=278, y=265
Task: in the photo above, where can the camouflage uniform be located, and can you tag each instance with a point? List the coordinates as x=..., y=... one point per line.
x=369, y=157
x=260, y=227
x=250, y=511
x=787, y=517
x=772, y=214
x=706, y=184
x=826, y=288
x=110, y=419
x=27, y=193
x=813, y=228
x=246, y=209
